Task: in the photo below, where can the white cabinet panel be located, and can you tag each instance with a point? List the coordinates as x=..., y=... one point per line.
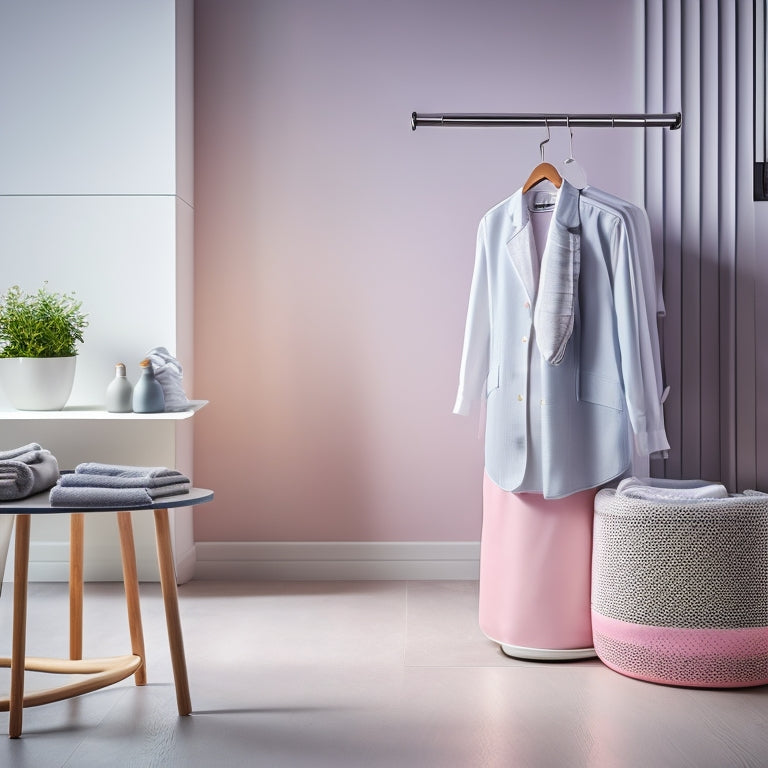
x=89, y=97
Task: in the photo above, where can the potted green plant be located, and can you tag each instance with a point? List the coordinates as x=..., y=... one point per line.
x=39, y=333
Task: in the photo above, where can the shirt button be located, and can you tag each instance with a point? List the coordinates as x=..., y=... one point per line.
x=527, y=305
x=520, y=398
x=524, y=339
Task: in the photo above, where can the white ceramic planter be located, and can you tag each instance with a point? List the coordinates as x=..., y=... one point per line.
x=38, y=383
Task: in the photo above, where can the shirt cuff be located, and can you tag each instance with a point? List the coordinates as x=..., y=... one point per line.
x=654, y=441
x=463, y=405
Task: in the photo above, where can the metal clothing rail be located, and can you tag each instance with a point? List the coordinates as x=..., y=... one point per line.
x=670, y=120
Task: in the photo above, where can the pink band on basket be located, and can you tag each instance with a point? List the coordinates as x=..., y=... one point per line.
x=711, y=658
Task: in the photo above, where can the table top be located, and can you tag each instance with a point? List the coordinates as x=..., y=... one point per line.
x=40, y=503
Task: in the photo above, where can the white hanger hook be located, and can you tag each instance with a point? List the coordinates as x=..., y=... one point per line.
x=572, y=171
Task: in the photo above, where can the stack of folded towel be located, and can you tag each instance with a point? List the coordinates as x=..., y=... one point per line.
x=661, y=490
x=115, y=485
x=26, y=470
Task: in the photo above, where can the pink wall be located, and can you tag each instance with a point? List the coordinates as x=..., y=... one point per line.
x=334, y=246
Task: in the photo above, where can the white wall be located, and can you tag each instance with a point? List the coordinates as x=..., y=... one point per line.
x=96, y=195
x=88, y=170
x=112, y=251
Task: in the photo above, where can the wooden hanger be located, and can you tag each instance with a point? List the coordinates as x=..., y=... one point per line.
x=543, y=171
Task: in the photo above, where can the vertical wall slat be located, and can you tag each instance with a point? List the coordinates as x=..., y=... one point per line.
x=761, y=236
x=763, y=65
x=727, y=217
x=673, y=238
x=654, y=154
x=761, y=84
x=710, y=234
x=690, y=249
x=746, y=273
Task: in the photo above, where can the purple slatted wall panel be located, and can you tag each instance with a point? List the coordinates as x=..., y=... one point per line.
x=699, y=200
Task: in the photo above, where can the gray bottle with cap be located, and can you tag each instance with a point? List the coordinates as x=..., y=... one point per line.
x=148, y=394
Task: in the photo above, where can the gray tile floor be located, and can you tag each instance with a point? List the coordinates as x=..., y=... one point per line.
x=391, y=674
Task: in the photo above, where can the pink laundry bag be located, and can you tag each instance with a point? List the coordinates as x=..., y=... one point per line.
x=680, y=589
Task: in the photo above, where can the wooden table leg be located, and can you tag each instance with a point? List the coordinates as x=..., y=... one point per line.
x=131, y=582
x=171, y=602
x=76, y=548
x=18, y=649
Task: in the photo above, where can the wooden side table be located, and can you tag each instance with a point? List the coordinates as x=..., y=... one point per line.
x=101, y=672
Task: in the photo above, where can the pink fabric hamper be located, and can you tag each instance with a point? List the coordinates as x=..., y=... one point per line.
x=535, y=564
x=680, y=589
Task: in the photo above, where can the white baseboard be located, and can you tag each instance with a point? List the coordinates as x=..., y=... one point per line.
x=279, y=561
x=49, y=561
x=337, y=560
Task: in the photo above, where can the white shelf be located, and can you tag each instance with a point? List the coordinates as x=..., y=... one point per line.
x=97, y=412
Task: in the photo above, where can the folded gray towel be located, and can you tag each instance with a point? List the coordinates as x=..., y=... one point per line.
x=122, y=470
x=94, y=480
x=30, y=457
x=19, y=479
x=15, y=453
x=99, y=497
x=93, y=484
x=168, y=490
x=79, y=496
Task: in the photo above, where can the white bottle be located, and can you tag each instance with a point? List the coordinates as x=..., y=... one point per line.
x=119, y=392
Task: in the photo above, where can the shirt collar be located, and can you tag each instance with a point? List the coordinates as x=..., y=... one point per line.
x=566, y=213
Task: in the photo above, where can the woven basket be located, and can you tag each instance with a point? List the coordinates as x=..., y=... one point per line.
x=680, y=590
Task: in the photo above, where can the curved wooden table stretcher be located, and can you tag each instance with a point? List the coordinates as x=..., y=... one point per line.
x=101, y=672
